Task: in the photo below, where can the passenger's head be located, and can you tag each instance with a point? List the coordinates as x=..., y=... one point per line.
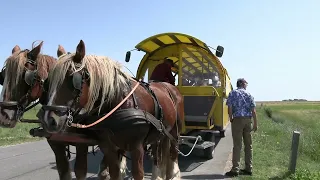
x=242, y=83
x=169, y=61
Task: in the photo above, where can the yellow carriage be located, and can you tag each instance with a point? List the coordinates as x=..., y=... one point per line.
x=201, y=79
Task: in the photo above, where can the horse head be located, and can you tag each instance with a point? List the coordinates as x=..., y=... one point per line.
x=23, y=79
x=80, y=82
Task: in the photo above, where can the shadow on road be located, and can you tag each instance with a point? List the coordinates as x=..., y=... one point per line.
x=205, y=176
x=186, y=164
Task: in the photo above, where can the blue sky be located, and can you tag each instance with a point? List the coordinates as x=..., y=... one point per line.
x=272, y=44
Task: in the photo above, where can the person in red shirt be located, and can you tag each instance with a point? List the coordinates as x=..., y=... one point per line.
x=162, y=72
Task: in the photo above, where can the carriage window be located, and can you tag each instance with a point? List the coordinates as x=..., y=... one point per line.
x=198, y=70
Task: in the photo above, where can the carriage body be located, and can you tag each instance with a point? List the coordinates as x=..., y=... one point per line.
x=200, y=78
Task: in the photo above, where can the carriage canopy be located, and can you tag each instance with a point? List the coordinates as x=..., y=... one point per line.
x=198, y=66
x=202, y=79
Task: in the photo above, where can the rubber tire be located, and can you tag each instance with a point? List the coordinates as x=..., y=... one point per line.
x=208, y=152
x=222, y=133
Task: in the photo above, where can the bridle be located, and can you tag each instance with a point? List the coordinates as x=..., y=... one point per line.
x=78, y=79
x=31, y=77
x=72, y=111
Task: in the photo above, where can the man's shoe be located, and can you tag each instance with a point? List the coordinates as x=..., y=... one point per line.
x=245, y=172
x=232, y=174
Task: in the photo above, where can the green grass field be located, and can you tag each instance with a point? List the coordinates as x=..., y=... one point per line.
x=272, y=141
x=20, y=133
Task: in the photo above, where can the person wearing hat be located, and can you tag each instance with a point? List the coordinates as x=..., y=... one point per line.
x=241, y=109
x=163, y=73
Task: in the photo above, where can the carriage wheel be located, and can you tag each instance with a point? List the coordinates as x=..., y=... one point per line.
x=208, y=152
x=222, y=133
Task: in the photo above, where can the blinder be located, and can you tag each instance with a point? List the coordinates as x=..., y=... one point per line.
x=77, y=81
x=59, y=110
x=30, y=76
x=78, y=78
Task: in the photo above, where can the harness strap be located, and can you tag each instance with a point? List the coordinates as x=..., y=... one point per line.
x=175, y=106
x=157, y=109
x=107, y=115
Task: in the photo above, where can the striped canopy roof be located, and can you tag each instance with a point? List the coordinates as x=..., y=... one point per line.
x=195, y=58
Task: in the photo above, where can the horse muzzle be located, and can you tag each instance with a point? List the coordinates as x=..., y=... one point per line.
x=55, y=119
x=10, y=113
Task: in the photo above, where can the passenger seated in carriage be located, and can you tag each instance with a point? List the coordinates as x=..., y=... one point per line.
x=162, y=72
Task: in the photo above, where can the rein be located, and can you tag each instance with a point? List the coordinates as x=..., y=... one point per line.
x=76, y=125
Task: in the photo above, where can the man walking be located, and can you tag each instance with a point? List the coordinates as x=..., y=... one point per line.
x=241, y=109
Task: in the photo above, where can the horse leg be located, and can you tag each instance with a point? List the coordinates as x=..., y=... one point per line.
x=62, y=162
x=173, y=170
x=113, y=161
x=137, y=163
x=160, y=151
x=123, y=166
x=81, y=167
x=104, y=170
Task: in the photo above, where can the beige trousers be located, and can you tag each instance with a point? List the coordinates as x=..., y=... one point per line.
x=241, y=128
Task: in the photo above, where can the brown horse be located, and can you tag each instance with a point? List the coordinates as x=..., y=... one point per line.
x=84, y=88
x=23, y=78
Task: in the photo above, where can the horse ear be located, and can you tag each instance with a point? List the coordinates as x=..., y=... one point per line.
x=80, y=53
x=60, y=51
x=16, y=49
x=36, y=51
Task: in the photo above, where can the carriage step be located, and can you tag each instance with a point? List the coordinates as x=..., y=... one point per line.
x=201, y=144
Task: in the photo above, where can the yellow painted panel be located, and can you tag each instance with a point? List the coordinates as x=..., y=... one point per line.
x=150, y=46
x=199, y=43
x=228, y=86
x=197, y=54
x=198, y=90
x=166, y=39
x=225, y=114
x=183, y=39
x=218, y=113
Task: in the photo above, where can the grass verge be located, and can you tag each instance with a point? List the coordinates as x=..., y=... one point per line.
x=272, y=141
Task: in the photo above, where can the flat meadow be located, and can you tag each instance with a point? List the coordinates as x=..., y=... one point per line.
x=272, y=141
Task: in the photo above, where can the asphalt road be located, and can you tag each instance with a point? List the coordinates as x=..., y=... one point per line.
x=36, y=161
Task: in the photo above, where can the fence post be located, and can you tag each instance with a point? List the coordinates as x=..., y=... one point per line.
x=294, y=151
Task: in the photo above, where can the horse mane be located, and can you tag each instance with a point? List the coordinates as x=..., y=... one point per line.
x=106, y=77
x=15, y=65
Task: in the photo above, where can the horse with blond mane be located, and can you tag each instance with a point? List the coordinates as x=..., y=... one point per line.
x=89, y=92
x=24, y=79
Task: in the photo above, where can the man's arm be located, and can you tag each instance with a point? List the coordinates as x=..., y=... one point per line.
x=254, y=114
x=229, y=104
